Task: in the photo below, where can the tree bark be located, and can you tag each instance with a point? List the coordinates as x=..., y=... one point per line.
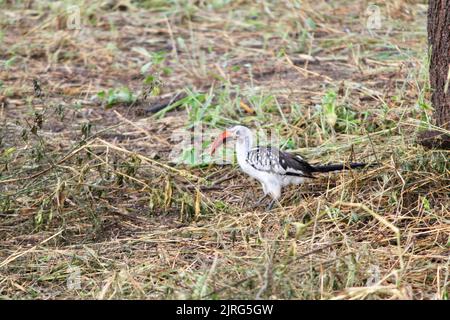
x=439, y=48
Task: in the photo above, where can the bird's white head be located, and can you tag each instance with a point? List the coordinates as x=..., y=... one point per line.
x=240, y=133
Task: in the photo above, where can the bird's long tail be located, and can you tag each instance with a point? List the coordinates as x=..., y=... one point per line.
x=341, y=166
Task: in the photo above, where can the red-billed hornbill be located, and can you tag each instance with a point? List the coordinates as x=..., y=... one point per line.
x=273, y=168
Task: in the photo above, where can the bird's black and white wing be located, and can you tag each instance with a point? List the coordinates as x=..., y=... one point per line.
x=272, y=160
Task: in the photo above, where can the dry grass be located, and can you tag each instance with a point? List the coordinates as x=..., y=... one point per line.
x=87, y=191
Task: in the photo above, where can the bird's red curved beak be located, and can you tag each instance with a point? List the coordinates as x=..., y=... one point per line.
x=219, y=141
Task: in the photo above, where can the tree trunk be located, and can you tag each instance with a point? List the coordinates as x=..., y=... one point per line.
x=439, y=45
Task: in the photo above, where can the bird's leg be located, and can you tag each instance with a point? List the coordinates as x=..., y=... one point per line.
x=275, y=193
x=258, y=203
x=270, y=206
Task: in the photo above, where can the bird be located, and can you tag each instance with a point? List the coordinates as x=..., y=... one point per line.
x=273, y=168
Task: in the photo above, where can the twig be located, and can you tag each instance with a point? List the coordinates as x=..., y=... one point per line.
x=254, y=275
x=14, y=256
x=379, y=218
